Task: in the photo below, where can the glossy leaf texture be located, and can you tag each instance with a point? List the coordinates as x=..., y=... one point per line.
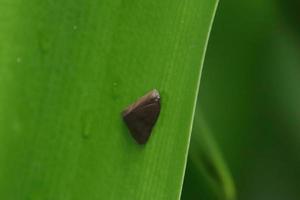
x=68, y=69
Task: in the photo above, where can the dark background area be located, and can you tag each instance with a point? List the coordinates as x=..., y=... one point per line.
x=250, y=98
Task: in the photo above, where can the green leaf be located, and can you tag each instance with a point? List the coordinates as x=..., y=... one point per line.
x=67, y=70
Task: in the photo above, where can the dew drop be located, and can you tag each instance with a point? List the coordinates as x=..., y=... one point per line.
x=86, y=126
x=16, y=126
x=85, y=134
x=19, y=59
x=115, y=90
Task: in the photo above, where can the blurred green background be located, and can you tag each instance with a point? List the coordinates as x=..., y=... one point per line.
x=250, y=98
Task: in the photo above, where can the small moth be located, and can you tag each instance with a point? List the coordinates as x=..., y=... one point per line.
x=140, y=117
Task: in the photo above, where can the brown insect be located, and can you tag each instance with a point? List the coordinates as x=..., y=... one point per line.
x=141, y=116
